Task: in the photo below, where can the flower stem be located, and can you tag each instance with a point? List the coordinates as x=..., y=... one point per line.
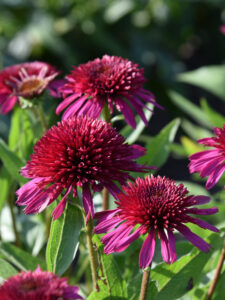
x=11, y=206
x=105, y=199
x=42, y=118
x=92, y=254
x=144, y=284
x=105, y=193
x=217, y=274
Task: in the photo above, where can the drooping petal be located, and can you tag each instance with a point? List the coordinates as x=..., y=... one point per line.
x=147, y=250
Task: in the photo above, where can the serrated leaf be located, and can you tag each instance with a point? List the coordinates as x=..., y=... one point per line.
x=64, y=240
x=20, y=258
x=116, y=286
x=11, y=162
x=6, y=270
x=211, y=78
x=158, y=149
x=189, y=108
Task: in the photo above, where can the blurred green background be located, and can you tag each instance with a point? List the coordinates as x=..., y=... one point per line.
x=166, y=37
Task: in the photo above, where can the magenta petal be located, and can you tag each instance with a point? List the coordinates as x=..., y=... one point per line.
x=172, y=246
x=107, y=225
x=57, y=212
x=193, y=238
x=215, y=176
x=105, y=215
x=164, y=247
x=204, y=224
x=147, y=250
x=66, y=102
x=8, y=104
x=204, y=211
x=74, y=107
x=127, y=112
x=199, y=200
x=87, y=202
x=126, y=241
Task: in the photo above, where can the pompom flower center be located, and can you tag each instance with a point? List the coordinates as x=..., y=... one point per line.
x=29, y=285
x=154, y=203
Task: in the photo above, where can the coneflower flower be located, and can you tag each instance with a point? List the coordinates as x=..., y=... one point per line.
x=27, y=80
x=110, y=79
x=153, y=205
x=210, y=162
x=78, y=152
x=37, y=285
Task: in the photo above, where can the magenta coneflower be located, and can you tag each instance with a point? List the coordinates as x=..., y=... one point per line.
x=210, y=162
x=27, y=80
x=37, y=285
x=113, y=79
x=156, y=205
x=81, y=152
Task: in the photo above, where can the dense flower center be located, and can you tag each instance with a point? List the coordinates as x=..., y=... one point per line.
x=109, y=75
x=29, y=285
x=154, y=202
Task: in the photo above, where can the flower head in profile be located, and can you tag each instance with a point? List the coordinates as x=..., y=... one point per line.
x=37, y=285
x=110, y=79
x=153, y=205
x=27, y=80
x=210, y=162
x=78, y=152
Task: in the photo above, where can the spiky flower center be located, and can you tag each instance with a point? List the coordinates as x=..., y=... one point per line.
x=154, y=202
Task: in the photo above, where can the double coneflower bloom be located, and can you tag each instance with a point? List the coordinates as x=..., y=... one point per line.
x=78, y=152
x=153, y=206
x=38, y=285
x=111, y=80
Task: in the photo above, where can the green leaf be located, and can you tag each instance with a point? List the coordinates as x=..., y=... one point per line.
x=15, y=129
x=216, y=119
x=11, y=162
x=64, y=240
x=173, y=281
x=20, y=258
x=158, y=149
x=5, y=183
x=113, y=281
x=189, y=108
x=211, y=78
x=6, y=270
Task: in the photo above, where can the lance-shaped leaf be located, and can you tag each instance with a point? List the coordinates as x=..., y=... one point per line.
x=64, y=240
x=6, y=270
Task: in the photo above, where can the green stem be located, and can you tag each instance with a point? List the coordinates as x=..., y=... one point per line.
x=144, y=284
x=92, y=254
x=11, y=206
x=106, y=113
x=42, y=118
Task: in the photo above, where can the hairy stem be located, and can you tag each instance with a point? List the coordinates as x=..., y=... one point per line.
x=217, y=274
x=92, y=253
x=144, y=284
x=105, y=193
x=105, y=199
